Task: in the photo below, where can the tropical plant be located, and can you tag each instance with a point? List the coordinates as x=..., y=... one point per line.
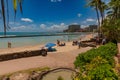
x=97, y=64
x=111, y=29
x=114, y=6
x=5, y=11
x=107, y=52
x=111, y=24
x=99, y=7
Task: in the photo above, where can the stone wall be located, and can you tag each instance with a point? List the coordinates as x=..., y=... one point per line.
x=17, y=55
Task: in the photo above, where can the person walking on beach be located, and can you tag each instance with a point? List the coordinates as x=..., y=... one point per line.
x=79, y=44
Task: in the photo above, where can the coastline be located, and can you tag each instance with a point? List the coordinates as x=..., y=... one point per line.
x=39, y=46
x=63, y=57
x=28, y=41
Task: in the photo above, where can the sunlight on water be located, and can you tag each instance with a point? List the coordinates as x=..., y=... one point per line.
x=26, y=41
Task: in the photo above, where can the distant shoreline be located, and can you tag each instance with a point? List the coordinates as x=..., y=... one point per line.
x=39, y=35
x=31, y=40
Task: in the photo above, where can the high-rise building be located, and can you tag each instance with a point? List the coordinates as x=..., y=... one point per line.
x=73, y=28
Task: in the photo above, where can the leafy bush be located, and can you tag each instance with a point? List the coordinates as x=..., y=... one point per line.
x=106, y=51
x=97, y=69
x=97, y=64
x=100, y=69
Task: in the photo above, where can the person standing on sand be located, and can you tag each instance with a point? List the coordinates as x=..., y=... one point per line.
x=97, y=41
x=9, y=44
x=79, y=44
x=104, y=41
x=58, y=42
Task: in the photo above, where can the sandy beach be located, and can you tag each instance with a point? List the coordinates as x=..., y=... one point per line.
x=63, y=57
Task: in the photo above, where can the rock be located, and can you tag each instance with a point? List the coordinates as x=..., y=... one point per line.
x=34, y=76
x=5, y=78
x=20, y=76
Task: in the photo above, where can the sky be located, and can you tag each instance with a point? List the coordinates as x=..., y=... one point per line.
x=50, y=15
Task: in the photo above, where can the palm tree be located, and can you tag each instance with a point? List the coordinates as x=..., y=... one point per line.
x=114, y=10
x=111, y=25
x=99, y=7
x=5, y=12
x=94, y=4
x=102, y=7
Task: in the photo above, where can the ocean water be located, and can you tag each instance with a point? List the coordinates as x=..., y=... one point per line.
x=36, y=40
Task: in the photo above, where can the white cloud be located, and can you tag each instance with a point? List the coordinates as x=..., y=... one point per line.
x=79, y=15
x=75, y=23
x=19, y=28
x=90, y=20
x=26, y=20
x=30, y=27
x=42, y=26
x=62, y=24
x=14, y=23
x=59, y=27
x=54, y=27
x=83, y=26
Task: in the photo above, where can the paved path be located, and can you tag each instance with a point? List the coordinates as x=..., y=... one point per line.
x=52, y=60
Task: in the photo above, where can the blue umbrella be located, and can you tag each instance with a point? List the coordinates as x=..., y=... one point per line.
x=50, y=45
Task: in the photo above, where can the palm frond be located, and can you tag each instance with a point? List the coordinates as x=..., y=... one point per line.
x=20, y=4
x=15, y=6
x=7, y=6
x=3, y=15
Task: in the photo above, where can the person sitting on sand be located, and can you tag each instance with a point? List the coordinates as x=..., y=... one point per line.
x=62, y=44
x=75, y=43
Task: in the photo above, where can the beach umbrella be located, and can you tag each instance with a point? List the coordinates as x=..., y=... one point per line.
x=50, y=45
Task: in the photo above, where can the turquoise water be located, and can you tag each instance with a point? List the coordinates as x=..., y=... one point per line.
x=26, y=41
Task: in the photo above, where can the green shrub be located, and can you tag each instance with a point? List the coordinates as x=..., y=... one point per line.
x=106, y=51
x=100, y=69
x=97, y=69
x=97, y=64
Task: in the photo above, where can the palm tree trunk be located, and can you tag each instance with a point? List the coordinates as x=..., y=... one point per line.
x=3, y=14
x=98, y=20
x=102, y=17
